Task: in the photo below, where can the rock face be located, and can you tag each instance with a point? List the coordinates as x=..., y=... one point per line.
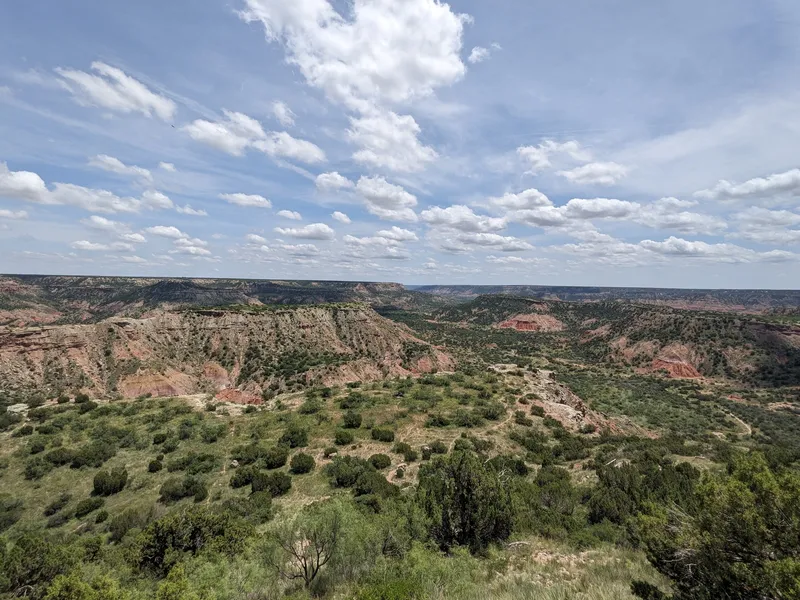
x=251, y=349
x=532, y=322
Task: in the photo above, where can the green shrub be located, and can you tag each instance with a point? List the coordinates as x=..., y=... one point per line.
x=310, y=407
x=10, y=513
x=275, y=457
x=175, y=489
x=110, y=483
x=57, y=520
x=87, y=506
x=380, y=461
x=101, y=517
x=57, y=505
x=243, y=476
x=25, y=430
x=295, y=436
x=382, y=434
x=155, y=466
x=537, y=411
x=345, y=470
x=60, y=456
x=438, y=447
x=277, y=483
x=330, y=451
x=351, y=420
x=302, y=463
x=159, y=438
x=342, y=437
x=214, y=432
x=37, y=467
x=194, y=463
x=82, y=398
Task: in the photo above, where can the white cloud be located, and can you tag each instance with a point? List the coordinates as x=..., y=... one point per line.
x=283, y=145
x=377, y=247
x=300, y=249
x=538, y=157
x=543, y=216
x=290, y=214
x=156, y=200
x=386, y=200
x=283, y=113
x=388, y=140
x=462, y=218
x=238, y=132
x=112, y=89
x=386, y=52
x=188, y=210
x=341, y=217
x=530, y=198
x=250, y=200
x=13, y=214
x=165, y=166
x=136, y=238
x=114, y=165
x=478, y=54
x=333, y=181
x=103, y=224
x=728, y=253
x=776, y=185
x=255, y=239
x=765, y=226
x=137, y=260
x=314, y=231
x=494, y=240
x=88, y=246
x=167, y=231
x=186, y=242
x=191, y=251
x=23, y=185
x=398, y=234
x=599, y=208
x=596, y=173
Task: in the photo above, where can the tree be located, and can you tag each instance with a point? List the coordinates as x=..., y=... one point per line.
x=467, y=502
x=302, y=463
x=739, y=540
x=308, y=542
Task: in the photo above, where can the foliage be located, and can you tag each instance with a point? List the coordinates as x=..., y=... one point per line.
x=302, y=463
x=109, y=483
x=88, y=505
x=277, y=483
x=466, y=501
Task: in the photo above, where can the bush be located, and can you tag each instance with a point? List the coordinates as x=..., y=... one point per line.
x=36, y=468
x=159, y=438
x=310, y=407
x=295, y=436
x=93, y=454
x=345, y=470
x=190, y=531
x=10, y=513
x=351, y=420
x=437, y=420
x=25, y=430
x=57, y=505
x=193, y=463
x=155, y=466
x=400, y=473
x=110, y=483
x=380, y=461
x=87, y=506
x=438, y=447
x=101, y=517
x=212, y=433
x=382, y=434
x=275, y=457
x=465, y=500
x=60, y=456
x=537, y=411
x=342, y=437
x=521, y=419
x=57, y=520
x=81, y=398
x=302, y=463
x=277, y=484
x=330, y=451
x=175, y=489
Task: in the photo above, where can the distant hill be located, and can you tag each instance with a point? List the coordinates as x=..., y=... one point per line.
x=28, y=299
x=724, y=300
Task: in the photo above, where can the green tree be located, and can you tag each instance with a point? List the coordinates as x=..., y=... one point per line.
x=467, y=502
x=740, y=540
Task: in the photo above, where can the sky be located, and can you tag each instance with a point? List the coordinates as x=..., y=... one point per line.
x=616, y=143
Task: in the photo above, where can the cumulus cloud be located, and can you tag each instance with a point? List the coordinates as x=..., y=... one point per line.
x=188, y=210
x=539, y=157
x=388, y=140
x=386, y=52
x=165, y=166
x=596, y=173
x=766, y=226
x=341, y=217
x=24, y=185
x=237, y=132
x=87, y=246
x=112, y=89
x=290, y=214
x=462, y=218
x=398, y=234
x=333, y=181
x=248, y=200
x=114, y=165
x=376, y=247
x=599, y=208
x=167, y=231
x=300, y=249
x=776, y=185
x=255, y=239
x=13, y=214
x=530, y=198
x=727, y=253
x=386, y=200
x=314, y=231
x=283, y=113
x=480, y=54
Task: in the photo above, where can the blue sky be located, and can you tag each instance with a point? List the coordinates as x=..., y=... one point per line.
x=517, y=142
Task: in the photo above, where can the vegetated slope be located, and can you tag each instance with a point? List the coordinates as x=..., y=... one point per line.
x=722, y=300
x=47, y=299
x=252, y=348
x=684, y=343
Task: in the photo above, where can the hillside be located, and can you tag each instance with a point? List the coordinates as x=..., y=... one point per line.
x=28, y=299
x=253, y=348
x=755, y=301
x=684, y=343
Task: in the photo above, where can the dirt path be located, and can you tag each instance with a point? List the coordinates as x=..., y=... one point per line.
x=747, y=428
